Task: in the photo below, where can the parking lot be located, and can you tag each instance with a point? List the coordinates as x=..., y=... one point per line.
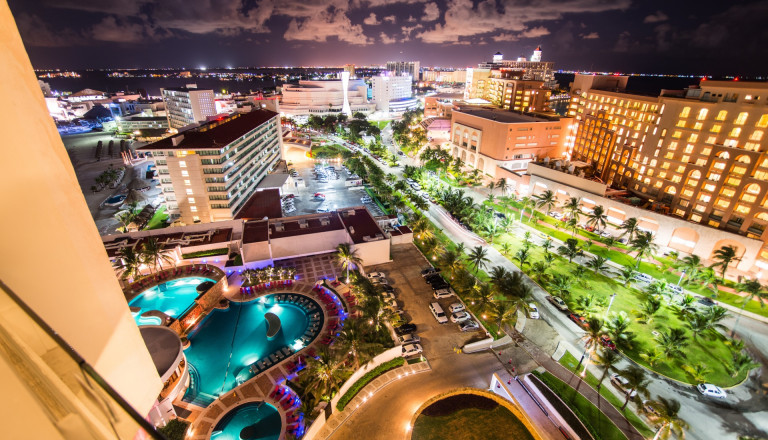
x=414, y=296
x=337, y=194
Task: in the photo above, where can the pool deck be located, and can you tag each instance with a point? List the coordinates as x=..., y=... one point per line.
x=262, y=387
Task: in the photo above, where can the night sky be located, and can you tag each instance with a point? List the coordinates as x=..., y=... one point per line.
x=652, y=36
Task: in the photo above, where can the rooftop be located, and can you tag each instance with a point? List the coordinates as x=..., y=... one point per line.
x=502, y=116
x=163, y=345
x=263, y=203
x=360, y=225
x=214, y=134
x=255, y=231
x=187, y=89
x=174, y=237
x=305, y=224
x=276, y=180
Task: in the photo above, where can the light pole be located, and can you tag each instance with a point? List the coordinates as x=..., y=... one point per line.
x=681, y=277
x=610, y=303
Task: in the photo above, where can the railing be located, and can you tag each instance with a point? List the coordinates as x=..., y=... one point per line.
x=63, y=385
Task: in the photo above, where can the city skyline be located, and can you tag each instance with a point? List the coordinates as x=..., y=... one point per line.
x=592, y=35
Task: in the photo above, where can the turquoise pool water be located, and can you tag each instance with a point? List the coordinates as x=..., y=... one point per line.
x=228, y=342
x=172, y=298
x=250, y=421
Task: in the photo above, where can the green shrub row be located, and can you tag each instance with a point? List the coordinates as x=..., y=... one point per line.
x=367, y=377
x=208, y=253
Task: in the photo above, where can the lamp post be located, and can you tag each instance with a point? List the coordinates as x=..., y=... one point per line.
x=681, y=277
x=610, y=303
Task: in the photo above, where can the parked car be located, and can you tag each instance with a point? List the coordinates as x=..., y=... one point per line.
x=709, y=390
x=644, y=277
x=469, y=326
x=579, y=320
x=440, y=286
x=405, y=329
x=433, y=278
x=430, y=271
x=409, y=339
x=533, y=311
x=456, y=307
x=443, y=293
x=607, y=342
x=323, y=209
x=460, y=317
x=557, y=302
x=706, y=302
x=622, y=384
x=388, y=295
x=380, y=281
x=412, y=350
x=674, y=288
x=372, y=275
x=386, y=288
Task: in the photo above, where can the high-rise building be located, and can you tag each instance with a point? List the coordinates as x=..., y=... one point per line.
x=536, y=57
x=185, y=105
x=535, y=69
x=507, y=89
x=405, y=68
x=208, y=173
x=325, y=97
x=393, y=93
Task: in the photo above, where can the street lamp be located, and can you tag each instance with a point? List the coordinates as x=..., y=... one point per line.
x=681, y=277
x=610, y=303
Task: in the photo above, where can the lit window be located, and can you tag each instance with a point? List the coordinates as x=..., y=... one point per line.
x=735, y=132
x=182, y=163
x=757, y=135
x=722, y=115
x=693, y=137
x=193, y=208
x=763, y=122
x=702, y=114
x=184, y=173
x=191, y=200
x=686, y=111
x=744, y=209
x=742, y=118
x=189, y=191
x=715, y=128
x=187, y=182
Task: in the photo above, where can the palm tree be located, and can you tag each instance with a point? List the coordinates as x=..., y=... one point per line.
x=636, y=381
x=713, y=316
x=671, y=342
x=125, y=218
x=648, y=308
x=347, y=257
x=482, y=296
x=154, y=253
x=725, y=256
x=527, y=202
x=325, y=373
x=547, y=200
x=691, y=265
x=668, y=411
x=698, y=372
x=503, y=186
x=371, y=309
x=597, y=263
x=572, y=225
x=592, y=333
x=587, y=304
x=352, y=338
x=627, y=275
x=498, y=274
x=573, y=207
x=547, y=245
x=129, y=262
x=506, y=248
x=597, y=217
x=630, y=227
x=522, y=256
x=501, y=311
x=571, y=249
x=742, y=362
x=643, y=244
x=560, y=285
x=607, y=360
x=697, y=324
x=653, y=356
x=617, y=327
x=491, y=187
x=478, y=258
x=753, y=290
x=451, y=261
x=539, y=270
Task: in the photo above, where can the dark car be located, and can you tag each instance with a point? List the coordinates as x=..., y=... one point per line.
x=439, y=286
x=432, y=279
x=707, y=302
x=387, y=288
x=579, y=320
x=607, y=343
x=405, y=329
x=430, y=271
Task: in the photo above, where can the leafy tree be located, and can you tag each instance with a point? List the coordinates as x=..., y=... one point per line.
x=597, y=218
x=668, y=417
x=325, y=373
x=592, y=333
x=753, y=290
x=725, y=256
x=648, y=309
x=697, y=324
x=742, y=363
x=506, y=248
x=526, y=202
x=347, y=257
x=636, y=381
x=560, y=285
x=353, y=338
x=522, y=256
x=175, y=429
x=451, y=261
x=643, y=244
x=573, y=207
x=482, y=296
x=671, y=342
x=498, y=274
x=588, y=304
x=125, y=218
x=502, y=312
x=571, y=249
x=617, y=327
x=607, y=360
x=547, y=245
x=502, y=186
x=698, y=372
x=129, y=262
x=653, y=356
x=714, y=316
x=547, y=200
x=539, y=270
x=630, y=227
x=478, y=258
x=626, y=276
x=153, y=253
x=598, y=263
x=572, y=225
x=691, y=265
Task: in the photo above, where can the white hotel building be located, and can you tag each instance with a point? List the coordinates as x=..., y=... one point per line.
x=208, y=173
x=325, y=97
x=187, y=105
x=393, y=93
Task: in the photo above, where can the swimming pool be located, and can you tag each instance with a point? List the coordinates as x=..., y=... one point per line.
x=172, y=298
x=225, y=346
x=257, y=420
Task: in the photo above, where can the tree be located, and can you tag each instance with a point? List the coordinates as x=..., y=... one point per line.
x=630, y=227
x=522, y=256
x=547, y=200
x=587, y=304
x=691, y=265
x=478, y=258
x=643, y=244
x=653, y=356
x=617, y=327
x=753, y=290
x=491, y=187
x=502, y=312
x=526, y=202
x=125, y=218
x=571, y=249
x=572, y=225
x=573, y=207
x=352, y=338
x=539, y=270
x=698, y=372
x=626, y=275
x=482, y=297
x=547, y=245
x=451, y=262
x=714, y=316
x=506, y=248
x=607, y=360
x=597, y=263
x=636, y=381
x=347, y=257
x=154, y=253
x=560, y=285
x=671, y=342
x=668, y=416
x=725, y=256
x=498, y=274
x=742, y=362
x=325, y=372
x=697, y=324
x=129, y=262
x=592, y=333
x=597, y=217
x=502, y=186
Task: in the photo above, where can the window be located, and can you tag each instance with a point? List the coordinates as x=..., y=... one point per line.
x=715, y=128
x=744, y=209
x=191, y=200
x=693, y=137
x=756, y=135
x=182, y=163
x=686, y=111
x=735, y=132
x=763, y=122
x=702, y=114
x=187, y=182
x=189, y=191
x=722, y=115
x=184, y=173
x=193, y=208
x=741, y=119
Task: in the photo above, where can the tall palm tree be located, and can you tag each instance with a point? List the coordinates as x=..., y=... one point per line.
x=482, y=296
x=325, y=373
x=547, y=245
x=636, y=381
x=526, y=202
x=491, y=187
x=502, y=186
x=753, y=290
x=573, y=207
x=352, y=338
x=627, y=275
x=547, y=200
x=347, y=257
x=691, y=265
x=154, y=253
x=648, y=309
x=698, y=372
x=560, y=285
x=451, y=262
x=572, y=225
x=597, y=218
x=592, y=333
x=643, y=244
x=742, y=362
x=501, y=311
x=498, y=274
x=539, y=270
x=671, y=342
x=129, y=262
x=587, y=304
x=607, y=360
x=725, y=256
x=630, y=227
x=597, y=263
x=697, y=324
x=714, y=316
x=571, y=249
x=522, y=256
x=617, y=327
x=668, y=416
x=478, y=258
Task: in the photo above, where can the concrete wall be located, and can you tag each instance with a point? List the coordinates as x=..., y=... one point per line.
x=373, y=252
x=256, y=252
x=300, y=245
x=535, y=171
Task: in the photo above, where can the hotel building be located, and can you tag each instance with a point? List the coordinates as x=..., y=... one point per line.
x=187, y=105
x=208, y=173
x=325, y=97
x=393, y=93
x=511, y=85
x=498, y=142
x=405, y=68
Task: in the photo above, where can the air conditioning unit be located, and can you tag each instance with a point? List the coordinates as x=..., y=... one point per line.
x=325, y=221
x=279, y=227
x=303, y=224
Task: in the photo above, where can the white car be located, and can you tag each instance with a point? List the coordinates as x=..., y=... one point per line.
x=411, y=349
x=289, y=209
x=388, y=296
x=443, y=293
x=460, y=317
x=456, y=307
x=709, y=390
x=409, y=339
x=469, y=326
x=373, y=275
x=391, y=303
x=621, y=383
x=674, y=288
x=533, y=311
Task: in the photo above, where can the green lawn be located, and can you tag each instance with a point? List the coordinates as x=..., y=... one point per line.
x=327, y=151
x=158, y=220
x=570, y=362
x=471, y=424
x=601, y=427
x=713, y=353
x=380, y=124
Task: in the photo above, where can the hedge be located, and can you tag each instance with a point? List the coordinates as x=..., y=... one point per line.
x=367, y=377
x=208, y=253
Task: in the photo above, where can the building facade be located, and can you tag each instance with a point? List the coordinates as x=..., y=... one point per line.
x=186, y=106
x=208, y=173
x=405, y=68
x=392, y=93
x=325, y=97
x=489, y=139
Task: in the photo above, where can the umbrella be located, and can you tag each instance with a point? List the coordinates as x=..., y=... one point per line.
x=135, y=196
x=139, y=184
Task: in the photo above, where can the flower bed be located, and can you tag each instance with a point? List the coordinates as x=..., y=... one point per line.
x=367, y=378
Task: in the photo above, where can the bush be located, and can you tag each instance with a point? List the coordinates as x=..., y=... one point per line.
x=175, y=429
x=208, y=253
x=367, y=377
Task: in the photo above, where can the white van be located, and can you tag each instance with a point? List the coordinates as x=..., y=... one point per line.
x=438, y=313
